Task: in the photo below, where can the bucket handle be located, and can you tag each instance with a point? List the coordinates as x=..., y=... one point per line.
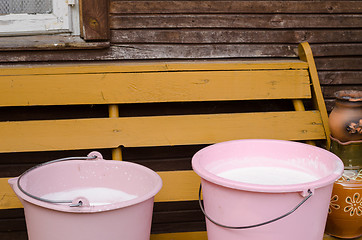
x=91, y=156
x=310, y=193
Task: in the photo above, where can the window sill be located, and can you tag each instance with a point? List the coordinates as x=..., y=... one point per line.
x=48, y=42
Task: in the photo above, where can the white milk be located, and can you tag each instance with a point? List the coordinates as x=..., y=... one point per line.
x=268, y=176
x=96, y=196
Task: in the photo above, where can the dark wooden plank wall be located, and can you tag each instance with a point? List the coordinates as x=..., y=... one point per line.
x=148, y=30
x=157, y=30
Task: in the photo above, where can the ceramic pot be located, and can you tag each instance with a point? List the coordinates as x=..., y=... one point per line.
x=345, y=120
x=345, y=211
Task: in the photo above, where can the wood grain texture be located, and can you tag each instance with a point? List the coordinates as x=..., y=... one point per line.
x=336, y=49
x=94, y=19
x=45, y=42
x=329, y=90
x=346, y=63
x=206, y=36
x=264, y=21
x=340, y=77
x=153, y=87
x=305, y=54
x=148, y=51
x=149, y=67
x=156, y=7
x=163, y=130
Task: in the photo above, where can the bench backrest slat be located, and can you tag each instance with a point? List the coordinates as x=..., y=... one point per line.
x=143, y=87
x=50, y=135
x=152, y=67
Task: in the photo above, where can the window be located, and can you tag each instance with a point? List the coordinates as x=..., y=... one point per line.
x=34, y=17
x=53, y=24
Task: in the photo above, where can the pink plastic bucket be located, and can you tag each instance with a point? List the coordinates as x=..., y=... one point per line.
x=78, y=218
x=254, y=210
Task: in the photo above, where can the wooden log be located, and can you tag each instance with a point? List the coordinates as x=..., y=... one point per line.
x=206, y=36
x=329, y=90
x=339, y=64
x=184, y=51
x=271, y=21
x=157, y=7
x=340, y=77
x=336, y=49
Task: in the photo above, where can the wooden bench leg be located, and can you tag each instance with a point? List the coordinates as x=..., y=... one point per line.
x=114, y=113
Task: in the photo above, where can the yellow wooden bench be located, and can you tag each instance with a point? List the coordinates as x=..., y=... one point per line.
x=114, y=84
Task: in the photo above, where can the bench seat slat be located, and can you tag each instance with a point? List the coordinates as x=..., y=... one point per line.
x=95, y=133
x=152, y=67
x=180, y=236
x=8, y=198
x=198, y=236
x=187, y=183
x=109, y=88
x=178, y=186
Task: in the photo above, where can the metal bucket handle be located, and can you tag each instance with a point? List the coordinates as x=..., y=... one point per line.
x=310, y=193
x=77, y=202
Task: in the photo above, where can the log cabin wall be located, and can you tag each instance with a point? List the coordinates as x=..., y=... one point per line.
x=151, y=30
x=188, y=30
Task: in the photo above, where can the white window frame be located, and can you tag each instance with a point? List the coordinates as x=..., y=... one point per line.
x=63, y=19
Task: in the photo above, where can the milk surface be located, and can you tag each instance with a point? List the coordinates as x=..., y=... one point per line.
x=96, y=196
x=268, y=176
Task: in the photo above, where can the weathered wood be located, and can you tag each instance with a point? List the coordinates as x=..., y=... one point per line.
x=340, y=77
x=234, y=36
x=340, y=63
x=329, y=90
x=94, y=19
x=45, y=42
x=271, y=21
x=181, y=51
x=155, y=51
x=156, y=7
x=329, y=104
x=337, y=49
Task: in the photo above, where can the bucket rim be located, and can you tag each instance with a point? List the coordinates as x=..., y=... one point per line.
x=303, y=187
x=94, y=208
